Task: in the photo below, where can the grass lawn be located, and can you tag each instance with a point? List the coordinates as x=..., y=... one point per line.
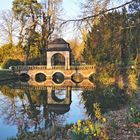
x=6, y=74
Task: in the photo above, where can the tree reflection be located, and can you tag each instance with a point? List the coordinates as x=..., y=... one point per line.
x=29, y=110
x=110, y=98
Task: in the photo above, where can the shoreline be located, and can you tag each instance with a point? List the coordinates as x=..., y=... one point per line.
x=6, y=74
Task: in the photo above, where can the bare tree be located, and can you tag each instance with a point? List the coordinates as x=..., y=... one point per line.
x=8, y=27
x=50, y=12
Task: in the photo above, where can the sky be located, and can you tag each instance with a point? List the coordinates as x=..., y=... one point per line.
x=71, y=9
x=5, y=4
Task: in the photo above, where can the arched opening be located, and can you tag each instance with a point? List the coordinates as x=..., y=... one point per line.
x=92, y=77
x=40, y=77
x=58, y=60
x=58, y=77
x=24, y=77
x=58, y=95
x=77, y=77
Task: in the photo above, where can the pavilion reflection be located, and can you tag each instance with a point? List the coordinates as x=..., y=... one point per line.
x=36, y=109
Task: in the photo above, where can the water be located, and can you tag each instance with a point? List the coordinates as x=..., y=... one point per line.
x=27, y=108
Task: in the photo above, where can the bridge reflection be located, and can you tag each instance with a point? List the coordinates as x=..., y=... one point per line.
x=85, y=84
x=40, y=107
x=53, y=102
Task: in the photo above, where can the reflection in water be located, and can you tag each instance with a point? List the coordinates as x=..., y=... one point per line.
x=58, y=95
x=35, y=110
x=110, y=98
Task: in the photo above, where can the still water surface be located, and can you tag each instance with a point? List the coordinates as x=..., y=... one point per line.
x=31, y=109
x=25, y=108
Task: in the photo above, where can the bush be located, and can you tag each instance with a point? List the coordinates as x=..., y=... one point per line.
x=11, y=62
x=34, y=61
x=134, y=114
x=89, y=129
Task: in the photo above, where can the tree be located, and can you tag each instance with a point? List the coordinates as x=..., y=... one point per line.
x=92, y=7
x=77, y=49
x=112, y=39
x=8, y=27
x=134, y=30
x=50, y=13
x=42, y=19
x=27, y=13
x=13, y=52
x=102, y=41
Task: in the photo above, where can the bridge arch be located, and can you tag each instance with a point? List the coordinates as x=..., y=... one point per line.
x=58, y=77
x=24, y=77
x=77, y=77
x=92, y=77
x=58, y=95
x=40, y=77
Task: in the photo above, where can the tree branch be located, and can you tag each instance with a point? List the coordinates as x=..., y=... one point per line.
x=96, y=15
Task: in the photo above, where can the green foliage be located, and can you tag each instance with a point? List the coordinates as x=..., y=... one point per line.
x=14, y=55
x=6, y=74
x=114, y=125
x=88, y=130
x=25, y=9
x=34, y=61
x=110, y=98
x=134, y=109
x=100, y=44
x=8, y=51
x=114, y=38
x=11, y=62
x=134, y=114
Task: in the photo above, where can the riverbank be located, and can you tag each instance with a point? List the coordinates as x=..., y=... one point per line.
x=6, y=74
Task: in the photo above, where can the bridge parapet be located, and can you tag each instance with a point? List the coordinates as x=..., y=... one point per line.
x=44, y=67
x=83, y=67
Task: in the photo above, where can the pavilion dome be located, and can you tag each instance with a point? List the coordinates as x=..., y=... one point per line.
x=58, y=44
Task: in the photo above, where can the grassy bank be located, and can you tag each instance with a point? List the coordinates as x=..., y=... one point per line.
x=6, y=74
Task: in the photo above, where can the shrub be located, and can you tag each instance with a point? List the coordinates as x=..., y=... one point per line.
x=90, y=130
x=134, y=114
x=11, y=62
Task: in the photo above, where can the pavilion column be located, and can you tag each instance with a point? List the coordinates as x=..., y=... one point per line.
x=49, y=55
x=67, y=60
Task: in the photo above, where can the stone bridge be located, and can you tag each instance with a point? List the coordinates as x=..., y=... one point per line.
x=75, y=75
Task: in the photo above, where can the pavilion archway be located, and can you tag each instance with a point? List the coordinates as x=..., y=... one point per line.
x=58, y=59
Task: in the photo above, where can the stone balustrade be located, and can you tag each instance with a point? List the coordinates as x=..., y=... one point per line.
x=44, y=67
